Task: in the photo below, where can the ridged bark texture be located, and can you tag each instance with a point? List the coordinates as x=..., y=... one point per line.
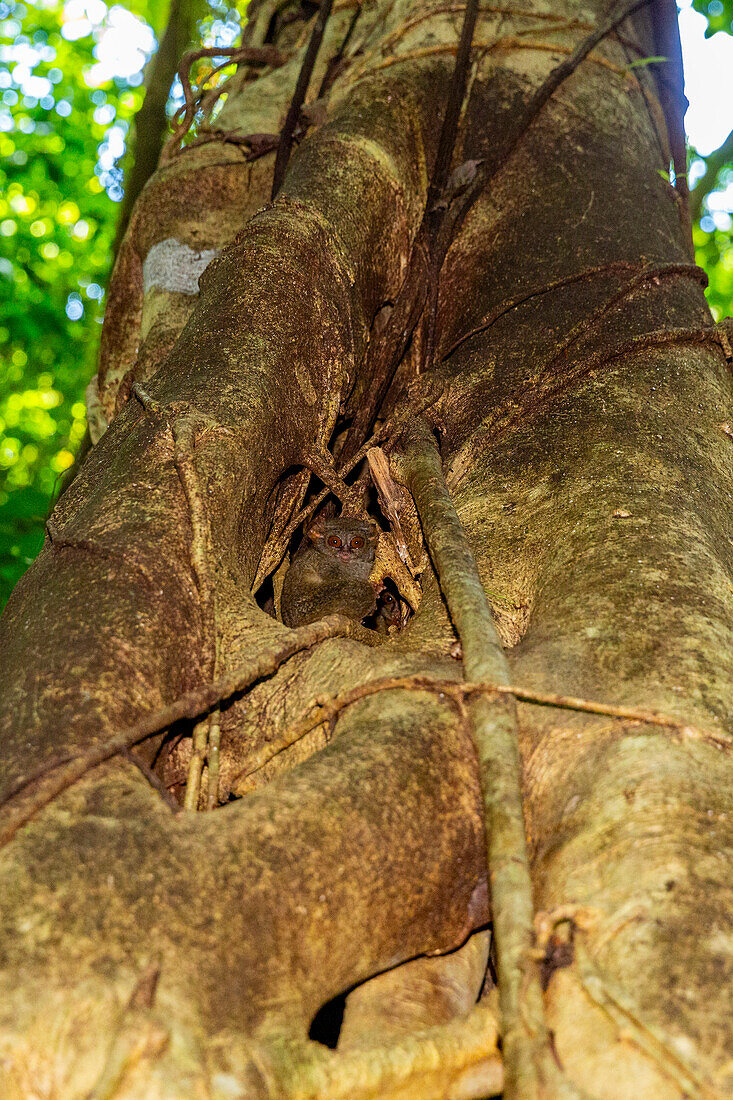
x=594, y=486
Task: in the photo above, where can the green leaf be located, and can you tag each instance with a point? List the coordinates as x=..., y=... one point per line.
x=638, y=64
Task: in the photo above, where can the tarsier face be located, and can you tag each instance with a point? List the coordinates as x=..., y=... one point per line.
x=389, y=607
x=349, y=540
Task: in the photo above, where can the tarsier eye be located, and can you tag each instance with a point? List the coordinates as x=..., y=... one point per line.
x=357, y=542
x=334, y=541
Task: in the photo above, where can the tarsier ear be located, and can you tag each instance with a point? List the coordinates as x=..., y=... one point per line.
x=315, y=532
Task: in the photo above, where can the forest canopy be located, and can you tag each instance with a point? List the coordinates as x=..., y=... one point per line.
x=69, y=95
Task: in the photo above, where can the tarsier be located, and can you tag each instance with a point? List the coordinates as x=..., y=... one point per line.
x=330, y=573
x=389, y=612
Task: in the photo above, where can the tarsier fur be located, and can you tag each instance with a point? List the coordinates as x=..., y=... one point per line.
x=330, y=573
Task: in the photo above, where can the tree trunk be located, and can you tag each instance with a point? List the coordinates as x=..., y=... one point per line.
x=582, y=407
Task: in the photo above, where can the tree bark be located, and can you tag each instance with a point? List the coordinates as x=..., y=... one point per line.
x=161, y=954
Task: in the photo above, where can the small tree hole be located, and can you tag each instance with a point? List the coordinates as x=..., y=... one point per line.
x=326, y=1025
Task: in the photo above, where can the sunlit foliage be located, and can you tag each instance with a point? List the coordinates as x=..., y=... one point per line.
x=63, y=123
x=714, y=253
x=71, y=77
x=712, y=234
x=719, y=14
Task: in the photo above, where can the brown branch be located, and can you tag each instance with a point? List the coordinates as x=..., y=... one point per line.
x=658, y=338
x=554, y=386
x=335, y=64
x=510, y=42
x=652, y=273
x=292, y=118
x=457, y=9
x=320, y=462
x=31, y=794
x=526, y=1048
x=509, y=304
x=456, y=94
x=155, y=782
x=325, y=709
x=537, y=101
x=435, y=236
x=437, y=198
x=253, y=146
x=550, y=23
x=253, y=55
x=386, y=351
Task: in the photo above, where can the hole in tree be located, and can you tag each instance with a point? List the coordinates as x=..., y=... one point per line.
x=265, y=597
x=326, y=1025
x=392, y=612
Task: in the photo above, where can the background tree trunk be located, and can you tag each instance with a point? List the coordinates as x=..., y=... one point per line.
x=162, y=954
